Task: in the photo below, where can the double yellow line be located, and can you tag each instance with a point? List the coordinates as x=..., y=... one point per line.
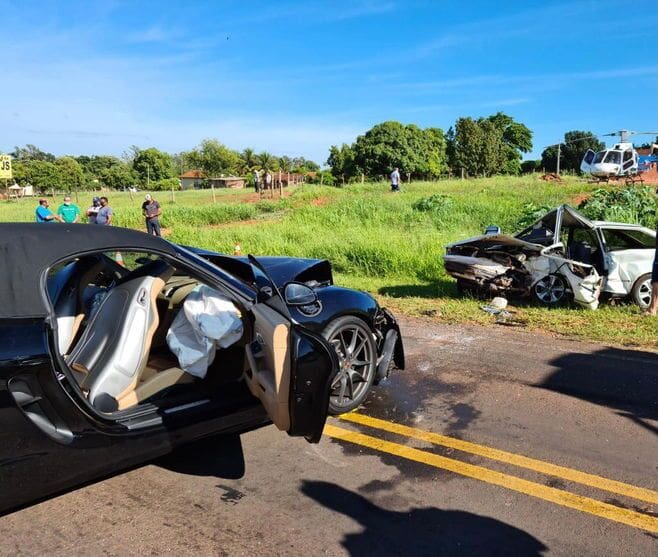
x=554, y=495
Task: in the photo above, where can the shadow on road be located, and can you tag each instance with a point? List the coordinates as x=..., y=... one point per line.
x=624, y=380
x=427, y=531
x=221, y=457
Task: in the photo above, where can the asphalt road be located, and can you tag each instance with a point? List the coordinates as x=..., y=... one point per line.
x=494, y=441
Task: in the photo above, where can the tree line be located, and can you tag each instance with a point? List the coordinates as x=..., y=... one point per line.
x=473, y=147
x=146, y=168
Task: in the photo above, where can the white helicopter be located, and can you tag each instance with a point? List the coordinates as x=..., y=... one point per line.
x=620, y=160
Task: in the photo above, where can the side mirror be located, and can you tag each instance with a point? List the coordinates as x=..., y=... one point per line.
x=490, y=230
x=298, y=294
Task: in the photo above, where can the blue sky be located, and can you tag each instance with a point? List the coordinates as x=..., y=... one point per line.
x=296, y=77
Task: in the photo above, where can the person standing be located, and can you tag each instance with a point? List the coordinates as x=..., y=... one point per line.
x=395, y=180
x=256, y=181
x=268, y=180
x=44, y=214
x=105, y=213
x=93, y=210
x=151, y=210
x=69, y=212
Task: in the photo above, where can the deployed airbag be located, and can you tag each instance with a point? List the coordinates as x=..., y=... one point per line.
x=207, y=320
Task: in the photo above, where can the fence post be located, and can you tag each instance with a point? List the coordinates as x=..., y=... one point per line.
x=363, y=178
x=212, y=187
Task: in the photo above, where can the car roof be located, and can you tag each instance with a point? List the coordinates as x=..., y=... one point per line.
x=610, y=224
x=29, y=249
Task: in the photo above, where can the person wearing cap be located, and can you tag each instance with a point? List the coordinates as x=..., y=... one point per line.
x=44, y=214
x=69, y=211
x=151, y=210
x=93, y=210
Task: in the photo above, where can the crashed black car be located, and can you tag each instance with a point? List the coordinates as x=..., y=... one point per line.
x=115, y=347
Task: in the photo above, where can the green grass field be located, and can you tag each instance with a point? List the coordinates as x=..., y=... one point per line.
x=381, y=242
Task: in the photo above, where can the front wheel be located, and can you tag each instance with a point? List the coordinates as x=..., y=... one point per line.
x=551, y=290
x=641, y=292
x=357, y=354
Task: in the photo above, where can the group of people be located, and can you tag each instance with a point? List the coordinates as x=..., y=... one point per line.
x=99, y=213
x=266, y=183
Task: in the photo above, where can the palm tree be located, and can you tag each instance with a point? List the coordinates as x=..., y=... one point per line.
x=247, y=160
x=266, y=161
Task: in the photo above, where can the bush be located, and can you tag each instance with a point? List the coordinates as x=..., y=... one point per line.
x=433, y=203
x=531, y=213
x=633, y=204
x=166, y=184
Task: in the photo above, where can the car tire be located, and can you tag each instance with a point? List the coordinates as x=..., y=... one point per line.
x=551, y=290
x=641, y=292
x=357, y=353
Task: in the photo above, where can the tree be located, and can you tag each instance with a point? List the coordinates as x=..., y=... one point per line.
x=572, y=151
x=107, y=171
x=153, y=165
x=248, y=160
x=415, y=151
x=285, y=163
x=266, y=161
x=341, y=161
x=70, y=172
x=213, y=158
x=530, y=166
x=517, y=139
x=117, y=176
x=31, y=153
x=478, y=147
x=43, y=175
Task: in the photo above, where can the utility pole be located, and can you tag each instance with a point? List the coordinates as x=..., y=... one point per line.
x=557, y=171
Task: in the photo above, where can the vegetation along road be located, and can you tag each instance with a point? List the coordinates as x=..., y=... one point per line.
x=388, y=244
x=492, y=442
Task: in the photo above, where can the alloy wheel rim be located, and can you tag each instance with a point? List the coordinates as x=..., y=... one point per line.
x=644, y=293
x=550, y=289
x=355, y=356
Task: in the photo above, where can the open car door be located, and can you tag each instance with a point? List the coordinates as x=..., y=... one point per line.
x=288, y=368
x=586, y=163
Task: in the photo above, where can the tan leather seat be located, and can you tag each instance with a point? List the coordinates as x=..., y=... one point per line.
x=113, y=351
x=70, y=307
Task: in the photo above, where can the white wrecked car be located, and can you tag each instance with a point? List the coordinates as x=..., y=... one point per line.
x=561, y=256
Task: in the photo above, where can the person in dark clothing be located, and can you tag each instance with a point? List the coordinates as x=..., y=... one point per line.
x=653, y=305
x=151, y=210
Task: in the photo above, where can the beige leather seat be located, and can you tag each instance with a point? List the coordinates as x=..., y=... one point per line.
x=70, y=308
x=113, y=351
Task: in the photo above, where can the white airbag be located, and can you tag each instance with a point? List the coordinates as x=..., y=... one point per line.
x=207, y=320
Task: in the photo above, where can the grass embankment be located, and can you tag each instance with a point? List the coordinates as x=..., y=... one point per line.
x=387, y=244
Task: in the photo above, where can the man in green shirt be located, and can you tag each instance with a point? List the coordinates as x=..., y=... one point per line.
x=69, y=211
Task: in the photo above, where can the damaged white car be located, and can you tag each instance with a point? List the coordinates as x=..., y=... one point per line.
x=560, y=257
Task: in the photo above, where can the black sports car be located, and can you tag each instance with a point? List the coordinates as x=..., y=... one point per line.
x=116, y=346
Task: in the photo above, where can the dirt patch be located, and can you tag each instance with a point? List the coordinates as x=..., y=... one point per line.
x=578, y=199
x=320, y=201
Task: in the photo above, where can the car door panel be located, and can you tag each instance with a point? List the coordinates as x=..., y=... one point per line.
x=268, y=358
x=290, y=369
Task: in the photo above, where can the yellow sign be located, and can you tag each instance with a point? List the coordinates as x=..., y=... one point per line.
x=5, y=166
